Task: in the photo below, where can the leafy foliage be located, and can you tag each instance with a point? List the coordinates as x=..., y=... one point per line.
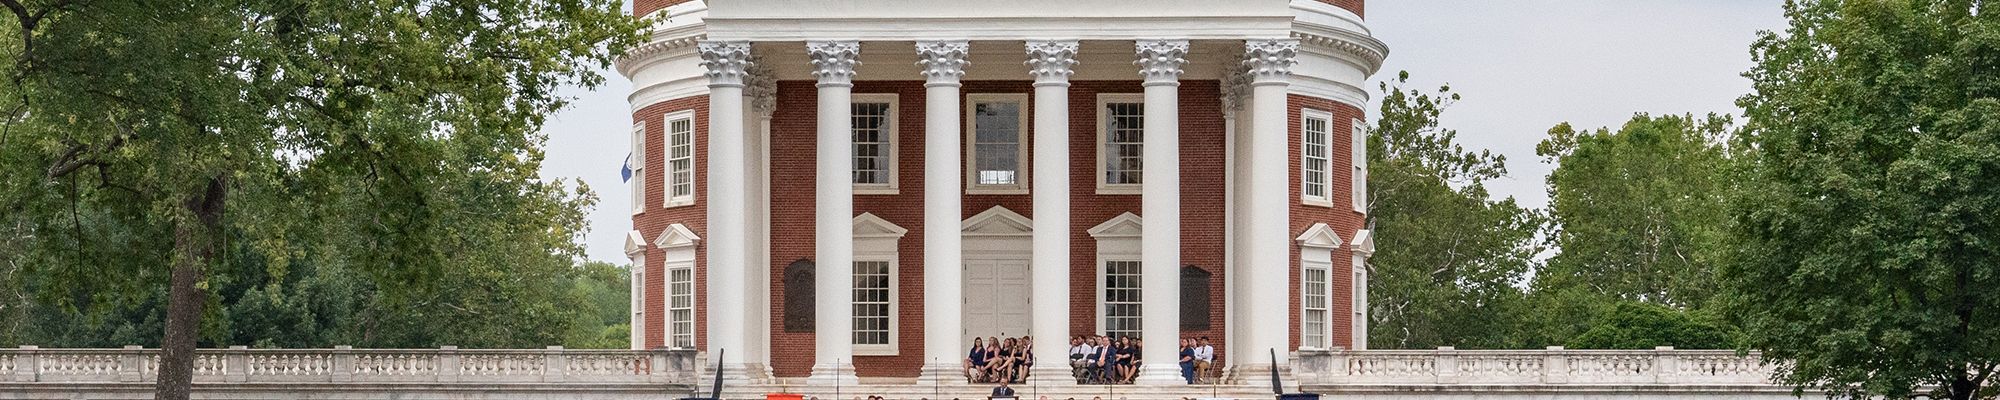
x=1451, y=262
x=1637, y=214
x=1866, y=252
x=160, y=146
x=1635, y=325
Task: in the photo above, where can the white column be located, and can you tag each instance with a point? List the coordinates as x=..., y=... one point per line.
x=761, y=91
x=1265, y=256
x=943, y=64
x=833, y=213
x=1050, y=62
x=728, y=329
x=1160, y=63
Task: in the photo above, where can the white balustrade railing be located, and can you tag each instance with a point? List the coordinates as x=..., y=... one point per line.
x=344, y=364
x=1553, y=366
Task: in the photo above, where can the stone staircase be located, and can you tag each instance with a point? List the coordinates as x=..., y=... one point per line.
x=909, y=389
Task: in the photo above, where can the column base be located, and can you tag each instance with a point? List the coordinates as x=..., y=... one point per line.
x=830, y=374
x=734, y=374
x=1160, y=374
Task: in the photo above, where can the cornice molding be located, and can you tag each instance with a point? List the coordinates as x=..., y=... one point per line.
x=1365, y=48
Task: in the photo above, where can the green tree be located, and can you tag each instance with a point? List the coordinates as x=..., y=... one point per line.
x=1867, y=234
x=1451, y=259
x=1636, y=325
x=1636, y=215
x=147, y=143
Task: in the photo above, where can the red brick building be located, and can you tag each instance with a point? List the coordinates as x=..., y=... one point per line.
x=849, y=189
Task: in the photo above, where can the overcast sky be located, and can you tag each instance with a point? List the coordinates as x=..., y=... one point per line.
x=1522, y=66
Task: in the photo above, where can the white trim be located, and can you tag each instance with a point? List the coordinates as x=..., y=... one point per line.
x=1022, y=167
x=638, y=165
x=693, y=158
x=1306, y=118
x=676, y=236
x=997, y=222
x=875, y=240
x=1104, y=101
x=1118, y=239
x=1359, y=159
x=637, y=289
x=891, y=130
x=1319, y=235
x=635, y=243
x=673, y=334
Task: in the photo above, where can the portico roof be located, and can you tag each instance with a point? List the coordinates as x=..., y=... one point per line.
x=901, y=20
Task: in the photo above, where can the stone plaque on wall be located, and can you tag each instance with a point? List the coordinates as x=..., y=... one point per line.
x=799, y=309
x=1194, y=298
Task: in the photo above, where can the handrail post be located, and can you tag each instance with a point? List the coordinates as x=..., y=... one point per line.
x=449, y=364
x=236, y=364
x=27, y=364
x=343, y=363
x=1337, y=370
x=131, y=363
x=1665, y=364
x=1555, y=367
x=657, y=366
x=553, y=364
x=1447, y=365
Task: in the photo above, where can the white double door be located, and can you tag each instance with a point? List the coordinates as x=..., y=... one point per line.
x=998, y=297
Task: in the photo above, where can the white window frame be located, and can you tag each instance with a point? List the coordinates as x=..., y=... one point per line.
x=1308, y=338
x=638, y=291
x=674, y=318
x=971, y=136
x=1316, y=246
x=677, y=244
x=1104, y=101
x=638, y=160
x=1118, y=239
x=1360, y=154
x=876, y=240
x=693, y=159
x=1104, y=304
x=1306, y=173
x=878, y=349
x=892, y=145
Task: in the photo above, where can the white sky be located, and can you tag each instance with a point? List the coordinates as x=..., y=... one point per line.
x=1522, y=66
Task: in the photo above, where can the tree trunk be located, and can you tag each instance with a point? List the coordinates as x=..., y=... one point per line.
x=195, y=242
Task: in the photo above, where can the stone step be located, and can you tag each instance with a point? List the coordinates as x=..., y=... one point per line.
x=962, y=391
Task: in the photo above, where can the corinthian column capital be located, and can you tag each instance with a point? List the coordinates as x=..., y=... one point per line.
x=1051, y=61
x=727, y=61
x=943, y=60
x=834, y=61
x=1160, y=60
x=1270, y=60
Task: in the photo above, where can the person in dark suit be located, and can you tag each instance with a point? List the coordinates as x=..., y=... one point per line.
x=1002, y=391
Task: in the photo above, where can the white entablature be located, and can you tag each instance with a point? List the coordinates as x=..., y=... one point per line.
x=1337, y=52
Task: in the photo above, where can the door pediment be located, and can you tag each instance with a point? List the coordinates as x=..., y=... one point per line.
x=998, y=221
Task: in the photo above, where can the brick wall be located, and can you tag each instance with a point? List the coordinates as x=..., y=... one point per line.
x=793, y=154
x=1350, y=5
x=1341, y=217
x=655, y=219
x=643, y=7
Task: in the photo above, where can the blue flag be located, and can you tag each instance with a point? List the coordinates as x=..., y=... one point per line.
x=626, y=170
